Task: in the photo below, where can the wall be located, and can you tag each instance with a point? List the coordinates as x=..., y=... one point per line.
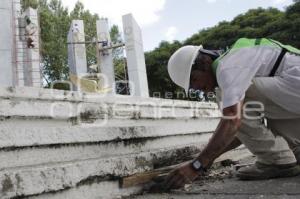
x=6, y=41
x=57, y=144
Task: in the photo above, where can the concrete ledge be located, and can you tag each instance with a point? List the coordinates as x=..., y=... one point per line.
x=73, y=96
x=32, y=156
x=98, y=190
x=27, y=133
x=91, y=111
x=56, y=177
x=57, y=144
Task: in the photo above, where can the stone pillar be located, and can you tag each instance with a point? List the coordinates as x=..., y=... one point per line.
x=77, y=52
x=135, y=57
x=33, y=71
x=105, y=57
x=6, y=43
x=20, y=59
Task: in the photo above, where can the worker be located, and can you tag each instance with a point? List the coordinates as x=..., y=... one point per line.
x=259, y=80
x=31, y=30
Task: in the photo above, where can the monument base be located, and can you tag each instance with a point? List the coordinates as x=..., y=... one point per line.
x=58, y=144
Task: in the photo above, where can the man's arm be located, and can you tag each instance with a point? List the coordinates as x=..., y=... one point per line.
x=233, y=145
x=218, y=144
x=224, y=137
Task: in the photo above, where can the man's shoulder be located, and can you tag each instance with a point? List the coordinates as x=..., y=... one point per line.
x=238, y=57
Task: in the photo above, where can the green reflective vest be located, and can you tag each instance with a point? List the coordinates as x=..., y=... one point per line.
x=247, y=43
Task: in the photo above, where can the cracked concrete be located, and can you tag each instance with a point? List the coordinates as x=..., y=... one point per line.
x=57, y=144
x=223, y=185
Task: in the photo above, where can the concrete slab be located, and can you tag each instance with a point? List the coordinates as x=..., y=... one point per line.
x=5, y=4
x=54, y=144
x=138, y=81
x=6, y=77
x=68, y=153
x=6, y=36
x=105, y=57
x=135, y=57
x=77, y=52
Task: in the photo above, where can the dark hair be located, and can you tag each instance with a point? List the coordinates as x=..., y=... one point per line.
x=202, y=62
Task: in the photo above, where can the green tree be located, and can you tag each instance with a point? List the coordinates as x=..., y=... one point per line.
x=54, y=22
x=158, y=78
x=89, y=19
x=29, y=3
x=118, y=54
x=291, y=33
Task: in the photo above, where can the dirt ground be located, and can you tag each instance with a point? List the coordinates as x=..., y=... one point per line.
x=222, y=184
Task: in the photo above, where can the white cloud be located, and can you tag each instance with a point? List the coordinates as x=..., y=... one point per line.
x=211, y=1
x=171, y=33
x=214, y=1
x=277, y=2
x=145, y=12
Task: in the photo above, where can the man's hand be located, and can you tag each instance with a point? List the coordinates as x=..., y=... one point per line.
x=218, y=144
x=179, y=177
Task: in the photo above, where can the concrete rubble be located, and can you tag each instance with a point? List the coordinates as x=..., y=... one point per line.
x=222, y=184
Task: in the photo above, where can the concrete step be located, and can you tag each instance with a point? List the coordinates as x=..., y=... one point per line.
x=57, y=177
x=83, y=177
x=93, y=111
x=21, y=133
x=31, y=156
x=58, y=144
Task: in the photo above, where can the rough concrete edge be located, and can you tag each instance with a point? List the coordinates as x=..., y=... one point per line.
x=116, y=192
x=52, y=94
x=79, y=134
x=42, y=179
x=44, y=155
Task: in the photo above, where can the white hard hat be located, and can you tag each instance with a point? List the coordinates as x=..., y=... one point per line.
x=180, y=65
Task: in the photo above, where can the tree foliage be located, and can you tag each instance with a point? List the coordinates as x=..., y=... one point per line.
x=29, y=3
x=55, y=21
x=118, y=54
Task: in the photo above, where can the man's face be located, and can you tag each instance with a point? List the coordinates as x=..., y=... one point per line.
x=202, y=80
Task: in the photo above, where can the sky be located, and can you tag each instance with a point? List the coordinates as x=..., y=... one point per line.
x=170, y=20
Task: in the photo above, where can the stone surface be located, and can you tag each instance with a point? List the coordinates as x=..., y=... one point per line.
x=105, y=57
x=54, y=144
x=23, y=134
x=223, y=185
x=77, y=51
x=20, y=56
x=6, y=76
x=5, y=4
x=6, y=47
x=135, y=57
x=33, y=54
x=79, y=151
x=102, y=190
x=17, y=61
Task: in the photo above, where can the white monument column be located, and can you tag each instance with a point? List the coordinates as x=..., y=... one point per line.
x=135, y=57
x=6, y=43
x=105, y=57
x=20, y=60
x=76, y=50
x=33, y=72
